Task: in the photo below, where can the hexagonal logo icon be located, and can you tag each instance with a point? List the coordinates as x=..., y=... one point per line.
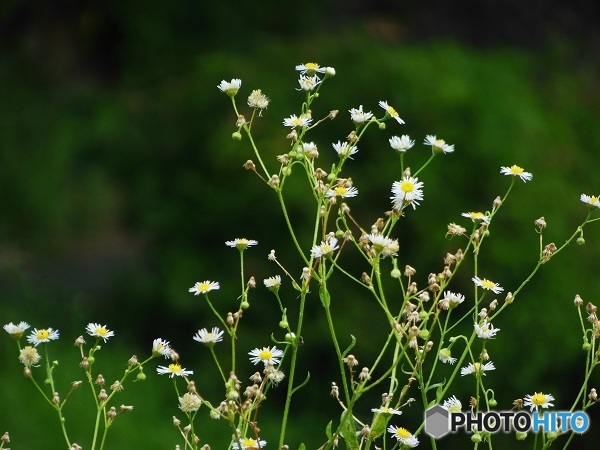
x=437, y=422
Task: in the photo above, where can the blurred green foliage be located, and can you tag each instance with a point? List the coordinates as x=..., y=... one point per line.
x=120, y=183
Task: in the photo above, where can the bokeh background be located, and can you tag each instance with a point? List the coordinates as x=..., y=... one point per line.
x=120, y=182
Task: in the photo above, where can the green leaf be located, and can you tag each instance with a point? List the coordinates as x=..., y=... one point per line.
x=324, y=296
x=348, y=431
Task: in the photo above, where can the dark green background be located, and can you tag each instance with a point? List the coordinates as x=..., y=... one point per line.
x=120, y=182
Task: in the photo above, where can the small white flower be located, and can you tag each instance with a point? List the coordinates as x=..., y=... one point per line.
x=272, y=283
x=249, y=444
x=209, y=338
x=384, y=245
x=297, y=121
x=310, y=68
x=486, y=330
x=404, y=437
x=401, y=144
x=308, y=83
x=408, y=191
x=174, y=370
x=517, y=171
x=344, y=149
x=230, y=87
x=266, y=355
x=160, y=347
x=99, y=331
x=16, y=331
x=358, y=116
x=241, y=243
x=446, y=357
x=329, y=246
x=477, y=216
x=386, y=410
x=487, y=284
x=202, y=287
x=538, y=400
x=591, y=200
x=476, y=368
x=341, y=191
x=438, y=145
x=391, y=112
x=36, y=337
x=308, y=148
x=453, y=299
x=452, y=404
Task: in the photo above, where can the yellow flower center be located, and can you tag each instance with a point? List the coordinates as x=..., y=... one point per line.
x=487, y=284
x=298, y=121
x=101, y=331
x=594, y=199
x=313, y=66
x=407, y=186
x=209, y=336
x=265, y=354
x=477, y=367
x=175, y=368
x=538, y=399
x=477, y=215
x=403, y=433
x=516, y=170
x=439, y=143
x=340, y=190
x=392, y=112
x=43, y=334
x=204, y=287
x=326, y=248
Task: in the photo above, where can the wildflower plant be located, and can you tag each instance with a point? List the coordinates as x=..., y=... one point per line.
x=423, y=356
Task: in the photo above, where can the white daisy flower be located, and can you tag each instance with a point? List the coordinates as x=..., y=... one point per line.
x=308, y=83
x=241, y=243
x=266, y=355
x=517, y=171
x=486, y=330
x=477, y=216
x=272, y=283
x=409, y=191
x=358, y=116
x=446, y=357
x=384, y=245
x=344, y=149
x=297, y=121
x=341, y=191
x=44, y=335
x=475, y=368
x=174, y=370
x=401, y=144
x=99, y=331
x=438, y=145
x=404, y=437
x=487, y=284
x=454, y=299
x=452, y=404
x=310, y=68
x=537, y=401
x=202, y=287
x=249, y=443
x=325, y=248
x=209, y=338
x=258, y=100
x=591, y=200
x=308, y=148
x=230, y=87
x=16, y=331
x=391, y=112
x=160, y=347
x=386, y=410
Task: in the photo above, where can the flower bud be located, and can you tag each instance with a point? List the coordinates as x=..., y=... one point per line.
x=236, y=136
